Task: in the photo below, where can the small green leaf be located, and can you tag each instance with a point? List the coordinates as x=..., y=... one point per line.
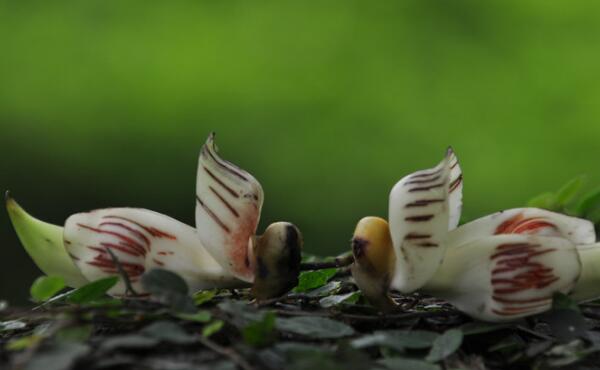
x=212, y=328
x=12, y=325
x=445, y=345
x=562, y=301
x=260, y=333
x=477, y=327
x=58, y=356
x=334, y=300
x=75, y=333
x=167, y=331
x=92, y=291
x=309, y=280
x=159, y=281
x=204, y=296
x=45, y=287
x=169, y=288
x=397, y=339
x=314, y=327
x=567, y=193
x=22, y=343
x=589, y=204
x=200, y=316
x=545, y=201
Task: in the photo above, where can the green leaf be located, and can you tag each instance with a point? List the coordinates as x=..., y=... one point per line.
x=212, y=328
x=562, y=301
x=327, y=289
x=22, y=343
x=589, y=205
x=477, y=327
x=170, y=288
x=75, y=333
x=200, y=316
x=92, y=291
x=12, y=325
x=59, y=356
x=445, y=345
x=167, y=331
x=545, y=201
x=45, y=287
x=241, y=313
x=334, y=300
x=314, y=327
x=204, y=296
x=309, y=280
x=159, y=281
x=395, y=363
x=397, y=339
x=260, y=333
x=567, y=193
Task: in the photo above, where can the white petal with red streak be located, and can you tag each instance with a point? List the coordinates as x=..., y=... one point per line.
x=228, y=206
x=531, y=221
x=505, y=277
x=419, y=220
x=141, y=240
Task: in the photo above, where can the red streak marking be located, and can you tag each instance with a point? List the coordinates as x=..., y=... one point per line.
x=425, y=188
x=130, y=229
x=124, y=249
x=427, y=174
x=229, y=207
x=229, y=190
x=516, y=272
x=419, y=218
x=213, y=215
x=158, y=262
x=514, y=300
x=128, y=240
x=422, y=203
x=226, y=165
x=422, y=181
x=426, y=244
x=151, y=230
x=417, y=236
x=520, y=225
x=454, y=184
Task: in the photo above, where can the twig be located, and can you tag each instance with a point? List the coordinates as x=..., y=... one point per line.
x=227, y=352
x=340, y=261
x=128, y=287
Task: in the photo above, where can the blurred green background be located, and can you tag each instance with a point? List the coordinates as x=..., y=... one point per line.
x=328, y=104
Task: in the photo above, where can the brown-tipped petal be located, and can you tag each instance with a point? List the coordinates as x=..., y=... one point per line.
x=228, y=204
x=141, y=240
x=278, y=254
x=419, y=218
x=506, y=277
x=374, y=261
x=529, y=221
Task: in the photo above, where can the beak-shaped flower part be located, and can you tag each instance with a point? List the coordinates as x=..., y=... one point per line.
x=229, y=201
x=139, y=240
x=44, y=244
